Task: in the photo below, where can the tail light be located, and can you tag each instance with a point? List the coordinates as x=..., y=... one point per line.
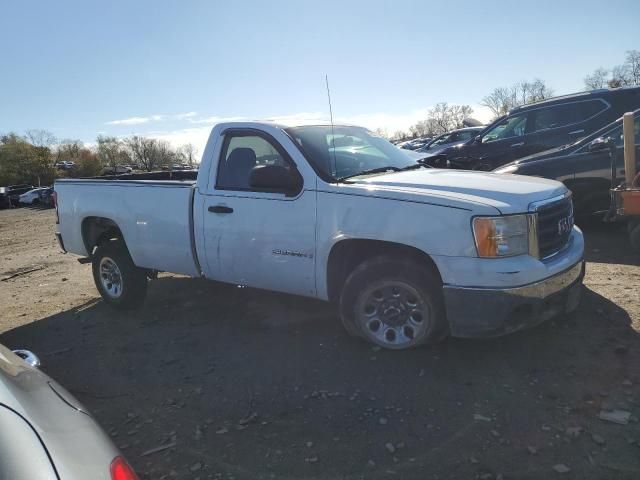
x=54, y=197
x=121, y=470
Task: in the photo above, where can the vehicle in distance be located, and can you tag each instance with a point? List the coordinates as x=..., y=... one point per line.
x=117, y=170
x=32, y=197
x=454, y=137
x=45, y=433
x=10, y=195
x=584, y=166
x=540, y=126
x=408, y=253
x=414, y=144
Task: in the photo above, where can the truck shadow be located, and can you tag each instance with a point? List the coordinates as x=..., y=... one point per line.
x=203, y=362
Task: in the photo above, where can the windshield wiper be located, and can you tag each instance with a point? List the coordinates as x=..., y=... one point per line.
x=419, y=164
x=371, y=172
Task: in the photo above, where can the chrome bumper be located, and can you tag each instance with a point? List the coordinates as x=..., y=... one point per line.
x=487, y=312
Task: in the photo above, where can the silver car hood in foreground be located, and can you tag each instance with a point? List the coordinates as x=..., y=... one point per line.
x=77, y=446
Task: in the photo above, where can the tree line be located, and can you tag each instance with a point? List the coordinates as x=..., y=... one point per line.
x=35, y=157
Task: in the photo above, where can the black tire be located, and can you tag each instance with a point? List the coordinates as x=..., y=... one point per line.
x=634, y=236
x=133, y=280
x=386, y=272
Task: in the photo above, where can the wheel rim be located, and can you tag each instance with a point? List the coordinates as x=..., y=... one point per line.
x=110, y=277
x=393, y=314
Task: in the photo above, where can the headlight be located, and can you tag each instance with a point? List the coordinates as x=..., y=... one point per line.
x=501, y=236
x=507, y=169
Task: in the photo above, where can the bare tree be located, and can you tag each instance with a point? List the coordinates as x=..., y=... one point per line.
x=40, y=138
x=143, y=151
x=598, y=79
x=189, y=152
x=42, y=141
x=626, y=74
x=503, y=99
x=112, y=151
x=68, y=150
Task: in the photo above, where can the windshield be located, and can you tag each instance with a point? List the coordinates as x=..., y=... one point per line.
x=340, y=152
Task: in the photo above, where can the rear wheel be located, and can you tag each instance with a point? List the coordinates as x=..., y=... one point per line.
x=393, y=303
x=120, y=283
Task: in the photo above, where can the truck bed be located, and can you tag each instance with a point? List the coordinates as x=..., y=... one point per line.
x=154, y=212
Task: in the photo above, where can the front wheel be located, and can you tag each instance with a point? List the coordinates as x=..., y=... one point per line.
x=120, y=283
x=393, y=303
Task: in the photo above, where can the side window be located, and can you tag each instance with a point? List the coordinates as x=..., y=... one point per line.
x=466, y=135
x=567, y=114
x=558, y=116
x=591, y=108
x=240, y=155
x=514, y=126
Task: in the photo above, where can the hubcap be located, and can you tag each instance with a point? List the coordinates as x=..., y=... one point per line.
x=392, y=314
x=110, y=277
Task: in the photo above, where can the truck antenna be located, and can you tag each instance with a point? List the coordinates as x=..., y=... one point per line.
x=333, y=135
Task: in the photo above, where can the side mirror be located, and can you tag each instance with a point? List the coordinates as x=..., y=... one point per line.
x=600, y=143
x=275, y=178
x=29, y=357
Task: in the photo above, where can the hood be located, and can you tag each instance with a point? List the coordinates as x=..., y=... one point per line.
x=77, y=445
x=465, y=189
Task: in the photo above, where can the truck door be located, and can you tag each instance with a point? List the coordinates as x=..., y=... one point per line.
x=258, y=237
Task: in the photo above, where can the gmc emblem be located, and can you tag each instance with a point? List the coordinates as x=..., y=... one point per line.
x=564, y=225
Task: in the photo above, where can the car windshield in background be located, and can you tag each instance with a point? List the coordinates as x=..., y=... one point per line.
x=343, y=152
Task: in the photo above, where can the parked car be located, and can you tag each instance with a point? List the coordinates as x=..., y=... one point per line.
x=46, y=197
x=45, y=433
x=454, y=137
x=540, y=126
x=65, y=165
x=408, y=253
x=117, y=170
x=415, y=144
x=584, y=166
x=10, y=195
x=32, y=197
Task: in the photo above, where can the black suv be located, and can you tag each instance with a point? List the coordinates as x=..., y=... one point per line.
x=540, y=126
x=584, y=166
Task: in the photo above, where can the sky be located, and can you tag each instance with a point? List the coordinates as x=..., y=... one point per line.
x=172, y=69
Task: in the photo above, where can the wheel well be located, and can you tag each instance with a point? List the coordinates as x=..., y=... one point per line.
x=97, y=230
x=346, y=255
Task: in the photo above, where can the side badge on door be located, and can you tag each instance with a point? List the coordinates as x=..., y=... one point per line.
x=292, y=253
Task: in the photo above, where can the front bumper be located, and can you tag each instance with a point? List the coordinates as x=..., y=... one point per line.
x=488, y=312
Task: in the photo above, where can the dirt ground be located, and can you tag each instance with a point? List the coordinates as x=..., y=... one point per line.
x=244, y=384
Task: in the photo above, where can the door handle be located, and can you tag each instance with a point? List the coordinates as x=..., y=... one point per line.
x=220, y=209
x=518, y=144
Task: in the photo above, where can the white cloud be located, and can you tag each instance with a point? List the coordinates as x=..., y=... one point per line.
x=136, y=120
x=184, y=116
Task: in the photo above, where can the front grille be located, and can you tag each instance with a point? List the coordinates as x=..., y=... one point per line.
x=555, y=222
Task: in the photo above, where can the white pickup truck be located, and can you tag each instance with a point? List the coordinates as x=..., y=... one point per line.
x=408, y=253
